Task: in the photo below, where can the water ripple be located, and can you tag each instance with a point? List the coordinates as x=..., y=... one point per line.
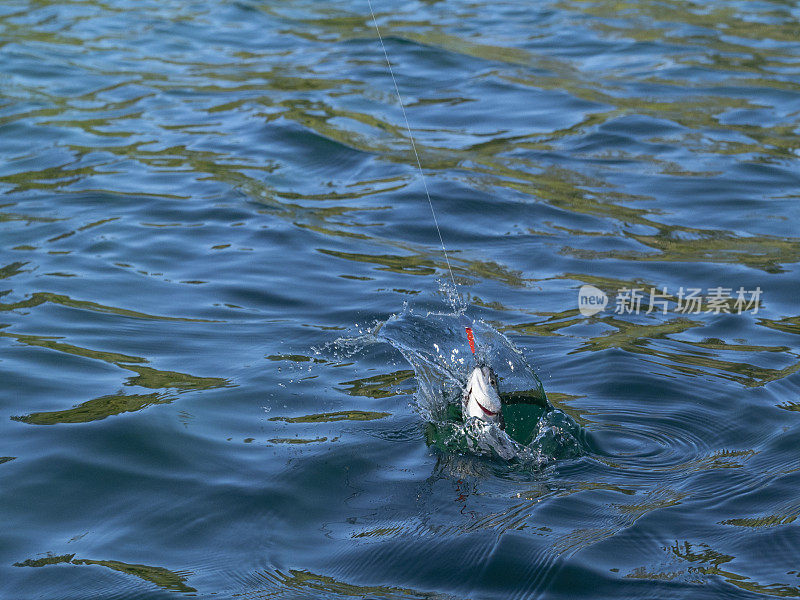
x=195, y=196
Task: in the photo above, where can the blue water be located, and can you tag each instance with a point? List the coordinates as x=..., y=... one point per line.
x=208, y=210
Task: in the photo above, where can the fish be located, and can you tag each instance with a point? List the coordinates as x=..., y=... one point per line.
x=481, y=398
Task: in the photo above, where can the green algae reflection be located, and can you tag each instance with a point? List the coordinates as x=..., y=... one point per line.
x=377, y=386
x=342, y=415
x=96, y=409
x=39, y=298
x=173, y=581
x=309, y=584
x=99, y=408
x=709, y=563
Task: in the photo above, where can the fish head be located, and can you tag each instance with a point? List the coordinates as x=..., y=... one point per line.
x=481, y=397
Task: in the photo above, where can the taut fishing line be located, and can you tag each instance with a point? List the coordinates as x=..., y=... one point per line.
x=470, y=336
x=413, y=146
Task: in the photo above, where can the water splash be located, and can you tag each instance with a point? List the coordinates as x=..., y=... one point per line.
x=436, y=346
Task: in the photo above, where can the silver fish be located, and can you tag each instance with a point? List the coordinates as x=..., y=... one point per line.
x=481, y=398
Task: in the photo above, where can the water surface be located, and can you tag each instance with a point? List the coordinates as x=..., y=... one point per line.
x=196, y=196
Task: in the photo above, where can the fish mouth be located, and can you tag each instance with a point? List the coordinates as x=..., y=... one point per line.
x=485, y=410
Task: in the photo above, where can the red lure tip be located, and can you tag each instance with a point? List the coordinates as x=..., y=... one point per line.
x=471, y=339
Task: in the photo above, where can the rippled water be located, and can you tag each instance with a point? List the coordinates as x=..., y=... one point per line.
x=195, y=196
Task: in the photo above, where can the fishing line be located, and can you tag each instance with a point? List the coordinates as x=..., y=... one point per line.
x=413, y=147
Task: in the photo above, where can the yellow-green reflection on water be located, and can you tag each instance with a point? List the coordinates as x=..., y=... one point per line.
x=618, y=114
x=342, y=415
x=377, y=386
x=96, y=409
x=279, y=582
x=114, y=404
x=164, y=578
x=39, y=298
x=297, y=440
x=708, y=562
